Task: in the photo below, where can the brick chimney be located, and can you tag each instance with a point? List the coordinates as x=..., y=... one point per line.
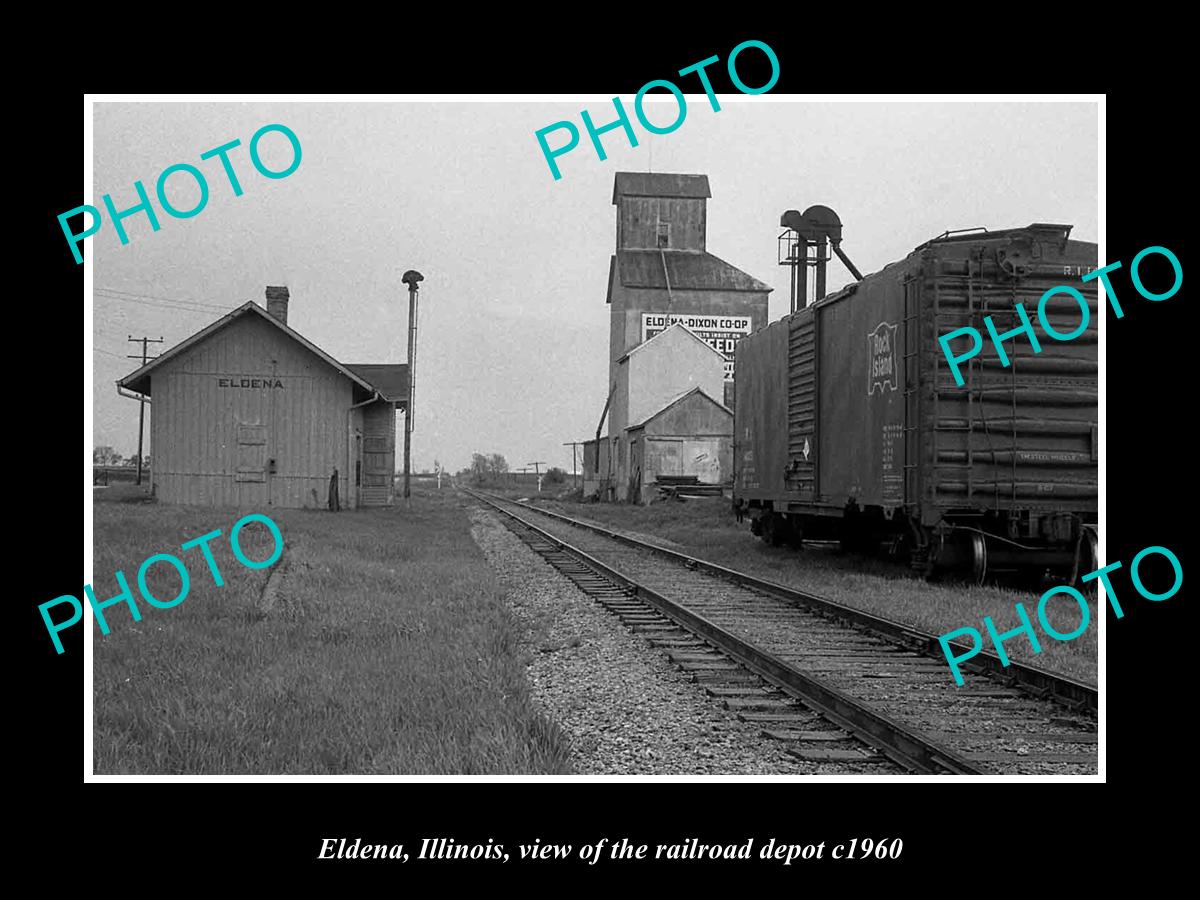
x=277, y=303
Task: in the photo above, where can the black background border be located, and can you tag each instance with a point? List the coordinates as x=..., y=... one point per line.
x=279, y=829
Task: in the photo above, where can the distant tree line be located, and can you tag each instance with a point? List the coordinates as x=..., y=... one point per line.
x=107, y=456
x=486, y=469
x=492, y=470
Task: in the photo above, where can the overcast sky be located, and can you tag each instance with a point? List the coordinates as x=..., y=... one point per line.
x=513, y=353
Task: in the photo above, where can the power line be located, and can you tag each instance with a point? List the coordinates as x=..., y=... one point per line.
x=155, y=304
x=156, y=297
x=136, y=298
x=160, y=304
x=163, y=304
x=97, y=330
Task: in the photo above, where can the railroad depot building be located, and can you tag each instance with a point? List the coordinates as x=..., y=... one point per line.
x=663, y=281
x=249, y=413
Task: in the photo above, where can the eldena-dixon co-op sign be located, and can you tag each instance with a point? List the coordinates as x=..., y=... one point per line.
x=720, y=332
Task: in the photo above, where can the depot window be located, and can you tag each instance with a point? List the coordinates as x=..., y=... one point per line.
x=664, y=235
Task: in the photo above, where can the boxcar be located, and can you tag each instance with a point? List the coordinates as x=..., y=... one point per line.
x=849, y=423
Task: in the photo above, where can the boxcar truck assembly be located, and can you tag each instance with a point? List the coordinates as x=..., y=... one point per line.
x=850, y=426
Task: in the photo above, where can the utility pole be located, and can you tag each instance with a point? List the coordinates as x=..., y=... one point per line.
x=538, y=473
x=411, y=278
x=142, y=403
x=574, y=470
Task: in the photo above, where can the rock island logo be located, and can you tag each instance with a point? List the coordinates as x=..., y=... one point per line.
x=881, y=352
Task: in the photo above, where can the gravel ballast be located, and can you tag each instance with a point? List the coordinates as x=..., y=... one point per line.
x=623, y=706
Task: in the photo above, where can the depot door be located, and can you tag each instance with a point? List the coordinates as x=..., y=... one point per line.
x=251, y=473
x=378, y=455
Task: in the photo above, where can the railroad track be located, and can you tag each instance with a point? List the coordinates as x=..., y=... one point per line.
x=836, y=684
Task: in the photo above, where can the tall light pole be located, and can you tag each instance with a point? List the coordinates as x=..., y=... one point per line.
x=411, y=278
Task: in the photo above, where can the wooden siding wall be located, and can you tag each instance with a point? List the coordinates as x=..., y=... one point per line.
x=212, y=443
x=694, y=415
x=659, y=372
x=638, y=218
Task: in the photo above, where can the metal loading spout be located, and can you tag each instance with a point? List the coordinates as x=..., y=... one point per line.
x=819, y=227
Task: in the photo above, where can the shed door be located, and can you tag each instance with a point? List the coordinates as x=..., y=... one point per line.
x=701, y=458
x=251, y=473
x=635, y=472
x=663, y=457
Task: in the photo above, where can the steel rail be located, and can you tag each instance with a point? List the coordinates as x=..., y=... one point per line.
x=894, y=740
x=1039, y=682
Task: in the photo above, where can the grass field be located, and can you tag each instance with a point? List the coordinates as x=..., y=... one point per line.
x=707, y=528
x=388, y=649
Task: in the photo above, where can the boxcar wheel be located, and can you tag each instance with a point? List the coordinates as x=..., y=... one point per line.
x=1087, y=561
x=979, y=559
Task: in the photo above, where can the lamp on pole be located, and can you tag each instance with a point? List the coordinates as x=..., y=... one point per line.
x=411, y=278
